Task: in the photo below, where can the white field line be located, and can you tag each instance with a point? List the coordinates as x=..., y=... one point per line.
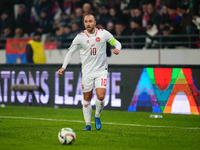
x=108, y=123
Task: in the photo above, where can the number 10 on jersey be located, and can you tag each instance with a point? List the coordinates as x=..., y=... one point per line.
x=93, y=51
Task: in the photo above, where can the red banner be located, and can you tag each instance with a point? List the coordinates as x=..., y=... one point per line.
x=16, y=46
x=50, y=45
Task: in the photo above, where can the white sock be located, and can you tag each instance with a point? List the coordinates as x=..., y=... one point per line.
x=87, y=111
x=99, y=107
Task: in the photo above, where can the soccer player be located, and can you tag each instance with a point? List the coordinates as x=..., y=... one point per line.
x=92, y=45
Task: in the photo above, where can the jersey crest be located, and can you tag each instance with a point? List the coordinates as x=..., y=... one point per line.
x=98, y=39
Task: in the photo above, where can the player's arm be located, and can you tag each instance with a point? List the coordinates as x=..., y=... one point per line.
x=116, y=44
x=112, y=41
x=74, y=47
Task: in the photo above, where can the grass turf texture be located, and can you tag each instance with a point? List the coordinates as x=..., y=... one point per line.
x=146, y=133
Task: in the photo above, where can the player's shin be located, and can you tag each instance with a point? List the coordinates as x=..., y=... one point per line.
x=87, y=111
x=99, y=107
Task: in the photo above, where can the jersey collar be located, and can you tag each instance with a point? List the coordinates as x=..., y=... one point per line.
x=95, y=33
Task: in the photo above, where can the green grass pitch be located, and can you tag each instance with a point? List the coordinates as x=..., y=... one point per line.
x=36, y=128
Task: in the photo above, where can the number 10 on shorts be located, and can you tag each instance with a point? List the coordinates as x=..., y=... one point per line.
x=103, y=82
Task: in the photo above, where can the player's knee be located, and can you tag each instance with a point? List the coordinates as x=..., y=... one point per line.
x=101, y=97
x=87, y=98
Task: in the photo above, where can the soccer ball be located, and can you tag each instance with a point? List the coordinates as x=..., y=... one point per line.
x=66, y=136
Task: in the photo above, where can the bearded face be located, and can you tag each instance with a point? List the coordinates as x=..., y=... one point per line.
x=90, y=23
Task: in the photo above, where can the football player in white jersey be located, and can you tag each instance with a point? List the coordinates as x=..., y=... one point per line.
x=92, y=45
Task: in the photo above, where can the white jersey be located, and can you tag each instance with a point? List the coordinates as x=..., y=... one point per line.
x=92, y=50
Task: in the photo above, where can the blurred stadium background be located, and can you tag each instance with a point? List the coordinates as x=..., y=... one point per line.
x=156, y=71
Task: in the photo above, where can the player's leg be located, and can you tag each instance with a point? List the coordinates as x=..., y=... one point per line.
x=100, y=84
x=100, y=101
x=87, y=88
x=87, y=109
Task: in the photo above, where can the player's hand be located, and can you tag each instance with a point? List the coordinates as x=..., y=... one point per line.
x=116, y=51
x=61, y=71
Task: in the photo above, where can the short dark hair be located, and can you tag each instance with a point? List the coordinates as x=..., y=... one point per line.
x=37, y=33
x=150, y=23
x=166, y=28
x=90, y=15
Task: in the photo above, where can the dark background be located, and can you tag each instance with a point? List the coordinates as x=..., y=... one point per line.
x=130, y=75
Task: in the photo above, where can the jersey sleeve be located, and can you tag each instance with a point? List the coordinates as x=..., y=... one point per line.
x=112, y=41
x=109, y=36
x=73, y=48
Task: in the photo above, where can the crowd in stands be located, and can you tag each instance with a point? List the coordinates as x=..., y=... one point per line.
x=64, y=18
